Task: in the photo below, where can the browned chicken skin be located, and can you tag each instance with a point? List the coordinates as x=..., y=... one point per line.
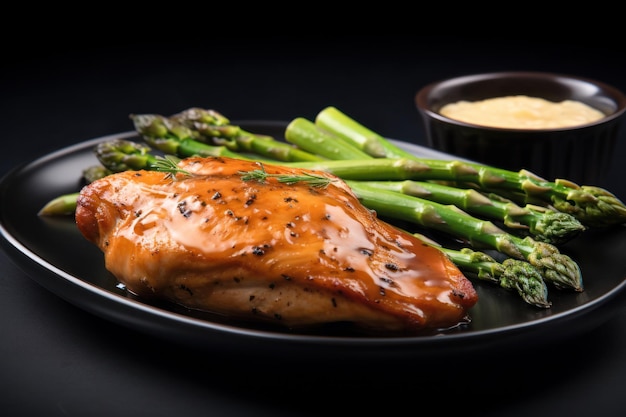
x=293, y=254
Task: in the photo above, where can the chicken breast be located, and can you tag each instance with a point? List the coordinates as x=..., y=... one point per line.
x=294, y=254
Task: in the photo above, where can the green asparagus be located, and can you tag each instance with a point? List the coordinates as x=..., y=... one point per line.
x=197, y=126
x=306, y=135
x=174, y=138
x=543, y=224
x=592, y=206
x=511, y=274
x=63, y=205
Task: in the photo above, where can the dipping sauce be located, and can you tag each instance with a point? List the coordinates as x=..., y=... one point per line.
x=522, y=112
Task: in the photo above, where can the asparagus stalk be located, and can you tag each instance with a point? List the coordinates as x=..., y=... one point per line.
x=555, y=267
x=196, y=125
x=63, y=205
x=592, y=206
x=348, y=129
x=543, y=224
x=306, y=135
x=510, y=274
x=174, y=138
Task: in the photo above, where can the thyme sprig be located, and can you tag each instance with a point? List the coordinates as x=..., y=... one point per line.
x=260, y=175
x=169, y=165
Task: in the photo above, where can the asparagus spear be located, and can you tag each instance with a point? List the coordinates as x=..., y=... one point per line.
x=592, y=206
x=196, y=125
x=511, y=274
x=544, y=224
x=348, y=129
x=555, y=267
x=306, y=135
x=62, y=205
x=175, y=138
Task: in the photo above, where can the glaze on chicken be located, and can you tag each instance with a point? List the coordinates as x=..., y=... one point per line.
x=293, y=254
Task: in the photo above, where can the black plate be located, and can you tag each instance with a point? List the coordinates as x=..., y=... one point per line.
x=54, y=254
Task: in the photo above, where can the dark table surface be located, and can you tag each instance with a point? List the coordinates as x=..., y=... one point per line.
x=56, y=359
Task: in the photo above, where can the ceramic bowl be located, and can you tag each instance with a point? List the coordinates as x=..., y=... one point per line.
x=581, y=153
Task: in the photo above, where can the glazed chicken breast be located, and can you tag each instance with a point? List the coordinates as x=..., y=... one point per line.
x=291, y=253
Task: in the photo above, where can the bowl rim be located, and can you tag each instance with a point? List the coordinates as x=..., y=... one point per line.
x=423, y=95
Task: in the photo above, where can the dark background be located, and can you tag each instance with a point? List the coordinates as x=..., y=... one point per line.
x=58, y=360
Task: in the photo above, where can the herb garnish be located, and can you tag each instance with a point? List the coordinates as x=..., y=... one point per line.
x=169, y=165
x=261, y=175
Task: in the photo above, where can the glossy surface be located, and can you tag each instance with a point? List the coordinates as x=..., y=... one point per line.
x=289, y=255
x=55, y=255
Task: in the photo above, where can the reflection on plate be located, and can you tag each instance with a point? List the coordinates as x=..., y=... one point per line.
x=54, y=254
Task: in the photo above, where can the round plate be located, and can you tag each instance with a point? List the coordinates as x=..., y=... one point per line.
x=53, y=252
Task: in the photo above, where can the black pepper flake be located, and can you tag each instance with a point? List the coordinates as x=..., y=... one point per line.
x=392, y=267
x=366, y=252
x=272, y=285
x=216, y=195
x=390, y=282
x=291, y=200
x=138, y=213
x=291, y=225
x=260, y=250
x=182, y=207
x=458, y=294
x=349, y=269
x=250, y=200
x=382, y=291
x=185, y=288
x=277, y=316
x=237, y=279
x=251, y=297
x=286, y=277
x=333, y=301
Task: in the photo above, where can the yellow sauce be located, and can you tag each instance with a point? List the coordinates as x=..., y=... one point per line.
x=522, y=112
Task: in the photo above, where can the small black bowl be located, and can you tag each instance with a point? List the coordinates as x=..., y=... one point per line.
x=580, y=154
